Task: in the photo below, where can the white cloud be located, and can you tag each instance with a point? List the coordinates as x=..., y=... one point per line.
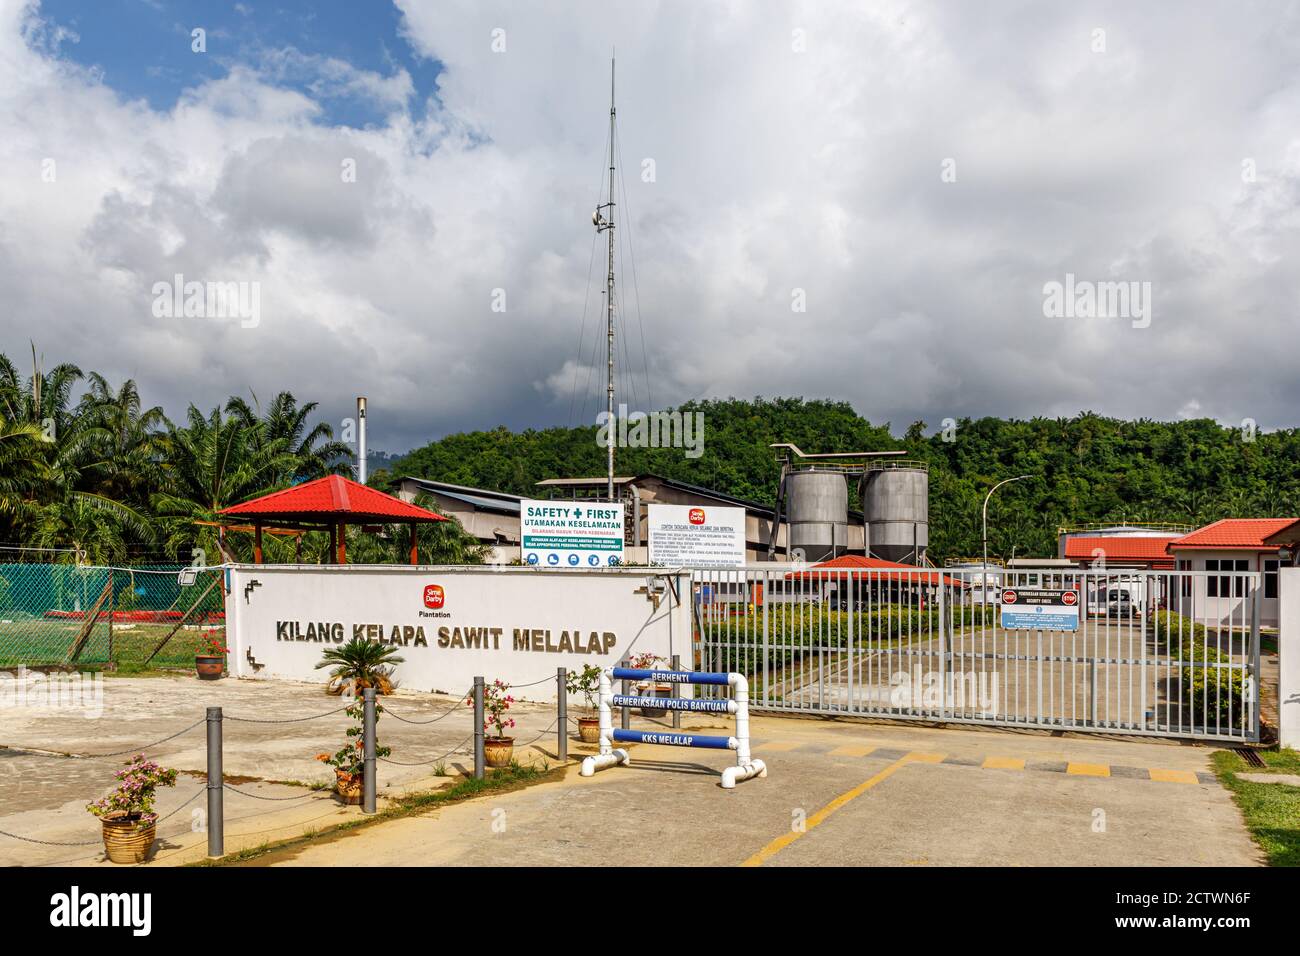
x=775, y=170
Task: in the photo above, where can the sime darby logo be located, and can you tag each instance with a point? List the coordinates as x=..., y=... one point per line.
x=696, y=516
x=434, y=596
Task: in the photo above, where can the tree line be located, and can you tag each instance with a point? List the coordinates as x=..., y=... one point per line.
x=89, y=474
x=1086, y=468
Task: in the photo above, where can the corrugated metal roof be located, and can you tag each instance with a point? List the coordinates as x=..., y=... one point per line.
x=332, y=495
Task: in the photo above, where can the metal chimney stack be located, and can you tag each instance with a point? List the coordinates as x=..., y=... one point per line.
x=361, y=437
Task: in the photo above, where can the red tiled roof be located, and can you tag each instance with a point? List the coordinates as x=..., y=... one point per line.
x=1233, y=534
x=335, y=496
x=856, y=566
x=1150, y=550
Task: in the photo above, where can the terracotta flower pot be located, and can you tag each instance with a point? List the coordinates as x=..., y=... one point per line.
x=349, y=786
x=209, y=668
x=662, y=690
x=589, y=730
x=126, y=842
x=497, y=751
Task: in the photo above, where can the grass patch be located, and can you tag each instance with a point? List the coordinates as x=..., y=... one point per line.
x=514, y=777
x=1272, y=810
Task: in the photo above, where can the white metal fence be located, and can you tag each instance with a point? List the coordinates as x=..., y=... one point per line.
x=1170, y=653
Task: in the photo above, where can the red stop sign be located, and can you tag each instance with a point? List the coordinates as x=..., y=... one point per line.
x=1008, y=597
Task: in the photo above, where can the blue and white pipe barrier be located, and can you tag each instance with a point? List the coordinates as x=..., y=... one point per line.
x=746, y=766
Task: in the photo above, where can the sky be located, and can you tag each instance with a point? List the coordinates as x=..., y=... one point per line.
x=907, y=206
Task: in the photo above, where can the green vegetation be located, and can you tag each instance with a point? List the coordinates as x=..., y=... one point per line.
x=104, y=480
x=1272, y=810
x=1209, y=690
x=359, y=664
x=1088, y=468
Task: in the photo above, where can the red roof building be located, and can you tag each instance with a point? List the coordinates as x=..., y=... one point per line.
x=1126, y=551
x=856, y=566
x=1232, y=534
x=329, y=503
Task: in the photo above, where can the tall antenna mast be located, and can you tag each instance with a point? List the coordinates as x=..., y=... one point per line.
x=605, y=223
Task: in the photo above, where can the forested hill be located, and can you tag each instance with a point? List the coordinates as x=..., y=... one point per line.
x=1087, y=468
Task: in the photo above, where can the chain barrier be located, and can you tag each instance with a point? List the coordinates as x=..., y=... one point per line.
x=421, y=763
x=129, y=750
x=255, y=796
x=284, y=720
x=15, y=836
x=449, y=711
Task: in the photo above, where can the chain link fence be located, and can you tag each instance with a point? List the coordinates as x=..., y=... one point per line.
x=64, y=614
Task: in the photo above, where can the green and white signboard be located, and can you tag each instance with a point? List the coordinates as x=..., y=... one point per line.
x=571, y=534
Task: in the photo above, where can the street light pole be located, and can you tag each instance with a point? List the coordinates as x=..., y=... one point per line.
x=984, y=520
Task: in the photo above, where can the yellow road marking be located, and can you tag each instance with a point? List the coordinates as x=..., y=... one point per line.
x=776, y=746
x=851, y=751
x=1088, y=769
x=783, y=841
x=1004, y=763
x=1172, y=776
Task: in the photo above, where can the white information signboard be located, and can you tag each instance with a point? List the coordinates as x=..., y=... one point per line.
x=571, y=534
x=691, y=536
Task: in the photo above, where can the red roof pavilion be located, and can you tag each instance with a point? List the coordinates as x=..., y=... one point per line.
x=331, y=502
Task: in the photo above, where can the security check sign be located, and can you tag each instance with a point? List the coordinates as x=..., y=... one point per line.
x=571, y=534
x=1039, y=609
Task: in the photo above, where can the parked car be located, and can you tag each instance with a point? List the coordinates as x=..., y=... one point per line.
x=1119, y=603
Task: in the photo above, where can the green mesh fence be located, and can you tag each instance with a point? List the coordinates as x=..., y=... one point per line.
x=64, y=614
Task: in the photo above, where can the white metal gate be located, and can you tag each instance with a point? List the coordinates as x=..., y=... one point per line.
x=1170, y=653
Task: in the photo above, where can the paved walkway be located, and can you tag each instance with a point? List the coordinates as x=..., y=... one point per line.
x=841, y=794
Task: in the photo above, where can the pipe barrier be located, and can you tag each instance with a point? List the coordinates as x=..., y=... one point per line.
x=609, y=756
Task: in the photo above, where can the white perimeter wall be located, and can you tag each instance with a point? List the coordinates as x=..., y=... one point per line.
x=528, y=621
x=1288, y=648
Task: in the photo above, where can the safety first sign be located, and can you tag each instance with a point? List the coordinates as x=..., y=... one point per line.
x=571, y=534
x=1040, y=609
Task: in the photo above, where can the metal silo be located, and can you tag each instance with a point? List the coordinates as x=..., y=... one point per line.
x=896, y=506
x=818, y=509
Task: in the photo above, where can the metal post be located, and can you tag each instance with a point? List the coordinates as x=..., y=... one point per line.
x=677, y=714
x=216, y=782
x=368, y=749
x=561, y=715
x=625, y=720
x=478, y=728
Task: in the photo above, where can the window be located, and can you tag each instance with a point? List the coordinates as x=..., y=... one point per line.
x=1226, y=585
x=1270, y=577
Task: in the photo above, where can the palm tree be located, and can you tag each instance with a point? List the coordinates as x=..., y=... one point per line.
x=315, y=449
x=359, y=664
x=211, y=464
x=127, y=440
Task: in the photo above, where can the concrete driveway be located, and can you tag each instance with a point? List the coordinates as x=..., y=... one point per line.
x=841, y=794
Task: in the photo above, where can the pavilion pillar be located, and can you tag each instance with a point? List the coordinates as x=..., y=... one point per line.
x=334, y=544
x=257, y=542
x=343, y=543
x=415, y=541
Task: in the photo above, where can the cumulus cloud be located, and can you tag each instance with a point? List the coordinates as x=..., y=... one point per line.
x=915, y=173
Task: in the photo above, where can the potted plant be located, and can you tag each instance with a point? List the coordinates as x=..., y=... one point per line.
x=350, y=762
x=498, y=749
x=586, y=683
x=650, y=662
x=210, y=657
x=359, y=664
x=127, y=814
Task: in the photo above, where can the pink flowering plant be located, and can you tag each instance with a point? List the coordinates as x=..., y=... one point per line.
x=646, y=661
x=496, y=701
x=133, y=799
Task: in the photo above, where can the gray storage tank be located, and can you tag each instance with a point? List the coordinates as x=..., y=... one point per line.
x=896, y=507
x=817, y=508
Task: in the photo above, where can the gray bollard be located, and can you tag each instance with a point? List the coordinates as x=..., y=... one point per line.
x=561, y=714
x=626, y=718
x=677, y=714
x=479, y=760
x=216, y=782
x=368, y=746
